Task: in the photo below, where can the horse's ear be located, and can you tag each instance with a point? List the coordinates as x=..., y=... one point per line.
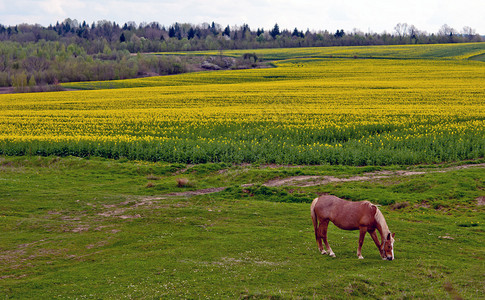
x=393, y=235
x=389, y=236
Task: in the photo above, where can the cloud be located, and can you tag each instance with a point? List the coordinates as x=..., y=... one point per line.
x=53, y=7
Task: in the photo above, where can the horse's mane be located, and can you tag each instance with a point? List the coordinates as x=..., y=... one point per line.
x=379, y=217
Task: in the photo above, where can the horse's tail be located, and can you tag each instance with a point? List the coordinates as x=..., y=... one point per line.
x=314, y=216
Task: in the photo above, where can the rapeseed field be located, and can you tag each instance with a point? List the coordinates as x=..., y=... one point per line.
x=318, y=110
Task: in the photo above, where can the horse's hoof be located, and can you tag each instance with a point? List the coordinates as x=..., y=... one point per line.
x=324, y=252
x=361, y=257
x=332, y=255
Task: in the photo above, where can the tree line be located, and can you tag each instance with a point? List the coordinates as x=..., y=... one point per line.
x=41, y=66
x=154, y=37
x=34, y=55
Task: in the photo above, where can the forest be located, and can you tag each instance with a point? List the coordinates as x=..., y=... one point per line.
x=37, y=58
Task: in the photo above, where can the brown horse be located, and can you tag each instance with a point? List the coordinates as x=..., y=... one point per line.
x=349, y=215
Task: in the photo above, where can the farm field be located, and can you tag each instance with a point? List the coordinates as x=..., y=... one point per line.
x=304, y=111
x=435, y=51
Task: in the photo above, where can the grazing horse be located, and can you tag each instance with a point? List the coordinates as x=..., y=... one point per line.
x=349, y=215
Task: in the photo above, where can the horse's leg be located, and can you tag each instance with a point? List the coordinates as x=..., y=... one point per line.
x=373, y=234
x=324, y=234
x=363, y=230
x=319, y=236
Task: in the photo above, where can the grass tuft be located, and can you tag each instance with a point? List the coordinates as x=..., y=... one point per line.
x=184, y=182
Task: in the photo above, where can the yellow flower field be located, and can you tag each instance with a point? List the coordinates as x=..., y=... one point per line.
x=304, y=111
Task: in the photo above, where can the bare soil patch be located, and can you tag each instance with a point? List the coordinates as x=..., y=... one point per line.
x=197, y=192
x=6, y=90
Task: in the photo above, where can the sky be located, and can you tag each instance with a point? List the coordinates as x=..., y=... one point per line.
x=368, y=16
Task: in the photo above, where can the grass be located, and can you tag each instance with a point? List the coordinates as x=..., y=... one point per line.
x=91, y=228
x=432, y=51
x=479, y=57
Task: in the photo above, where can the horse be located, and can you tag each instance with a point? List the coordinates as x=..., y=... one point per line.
x=348, y=215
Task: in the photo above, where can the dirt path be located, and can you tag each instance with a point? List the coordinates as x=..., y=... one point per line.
x=197, y=192
x=307, y=181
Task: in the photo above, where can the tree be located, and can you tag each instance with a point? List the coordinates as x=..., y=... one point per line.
x=261, y=38
x=446, y=30
x=249, y=56
x=190, y=34
x=275, y=32
x=214, y=28
x=469, y=32
x=298, y=33
x=171, y=31
x=122, y=38
x=401, y=29
x=19, y=82
x=35, y=64
x=227, y=31
x=339, y=33
x=32, y=81
x=413, y=33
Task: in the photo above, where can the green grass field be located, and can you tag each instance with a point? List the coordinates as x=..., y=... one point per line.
x=433, y=51
x=94, y=228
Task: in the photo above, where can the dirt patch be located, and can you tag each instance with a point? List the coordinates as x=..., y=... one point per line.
x=81, y=228
x=423, y=205
x=481, y=201
x=295, y=180
x=13, y=276
x=124, y=217
x=112, y=213
x=197, y=192
x=6, y=90
x=401, y=205
x=124, y=210
x=119, y=213
x=306, y=181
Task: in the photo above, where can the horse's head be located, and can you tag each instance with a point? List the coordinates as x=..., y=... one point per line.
x=387, y=247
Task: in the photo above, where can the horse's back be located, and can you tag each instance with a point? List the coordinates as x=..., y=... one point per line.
x=344, y=214
x=326, y=205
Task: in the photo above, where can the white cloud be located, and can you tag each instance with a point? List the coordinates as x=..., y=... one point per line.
x=53, y=7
